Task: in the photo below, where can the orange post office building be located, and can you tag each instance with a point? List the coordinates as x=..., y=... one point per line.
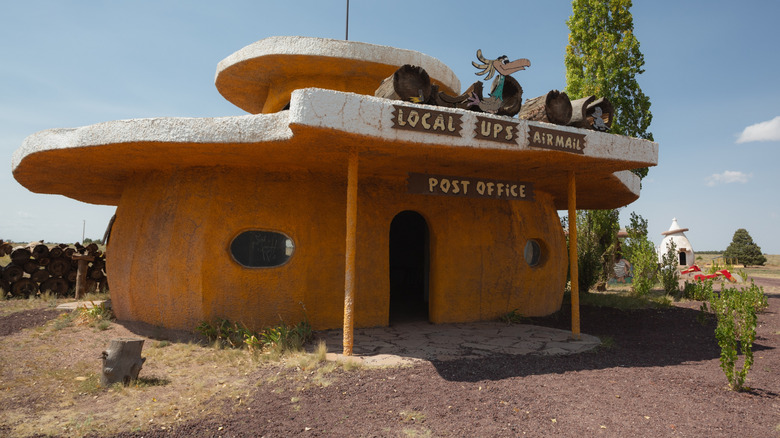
x=328, y=203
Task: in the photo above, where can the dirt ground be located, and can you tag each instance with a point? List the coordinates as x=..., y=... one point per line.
x=657, y=374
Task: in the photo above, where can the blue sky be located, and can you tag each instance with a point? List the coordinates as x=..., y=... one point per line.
x=711, y=75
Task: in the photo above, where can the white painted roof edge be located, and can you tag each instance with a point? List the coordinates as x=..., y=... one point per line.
x=357, y=114
x=233, y=129
x=298, y=45
x=372, y=117
x=630, y=180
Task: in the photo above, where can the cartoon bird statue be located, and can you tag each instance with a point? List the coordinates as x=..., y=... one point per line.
x=496, y=103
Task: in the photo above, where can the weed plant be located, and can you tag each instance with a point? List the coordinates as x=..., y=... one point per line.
x=513, y=317
x=276, y=340
x=736, y=312
x=98, y=316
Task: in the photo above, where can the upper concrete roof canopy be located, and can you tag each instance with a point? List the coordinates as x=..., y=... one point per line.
x=260, y=77
x=315, y=135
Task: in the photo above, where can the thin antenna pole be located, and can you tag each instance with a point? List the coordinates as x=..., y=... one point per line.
x=346, y=34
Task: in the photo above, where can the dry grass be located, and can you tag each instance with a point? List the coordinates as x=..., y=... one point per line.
x=50, y=381
x=58, y=392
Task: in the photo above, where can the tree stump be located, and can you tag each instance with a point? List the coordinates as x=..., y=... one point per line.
x=122, y=361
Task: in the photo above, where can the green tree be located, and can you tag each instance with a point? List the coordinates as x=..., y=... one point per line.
x=603, y=59
x=640, y=252
x=744, y=249
x=596, y=246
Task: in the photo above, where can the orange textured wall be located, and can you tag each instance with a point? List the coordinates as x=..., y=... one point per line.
x=170, y=265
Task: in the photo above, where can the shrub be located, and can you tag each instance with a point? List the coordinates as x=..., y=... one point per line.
x=639, y=250
x=645, y=267
x=670, y=276
x=736, y=311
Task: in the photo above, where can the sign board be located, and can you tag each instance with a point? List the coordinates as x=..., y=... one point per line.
x=495, y=130
x=556, y=140
x=426, y=120
x=420, y=183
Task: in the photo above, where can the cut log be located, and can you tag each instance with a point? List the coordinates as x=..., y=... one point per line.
x=92, y=248
x=585, y=110
x=20, y=256
x=40, y=276
x=409, y=83
x=30, y=266
x=59, y=267
x=40, y=251
x=122, y=361
x=68, y=252
x=55, y=252
x=71, y=277
x=56, y=285
x=91, y=286
x=103, y=285
x=554, y=107
x=98, y=263
x=24, y=287
x=13, y=273
x=96, y=274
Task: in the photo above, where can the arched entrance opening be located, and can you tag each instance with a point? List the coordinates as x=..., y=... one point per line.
x=683, y=259
x=409, y=267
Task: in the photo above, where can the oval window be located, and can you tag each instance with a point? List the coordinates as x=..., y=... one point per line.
x=261, y=249
x=532, y=253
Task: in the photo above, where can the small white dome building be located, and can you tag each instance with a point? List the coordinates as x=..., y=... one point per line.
x=685, y=255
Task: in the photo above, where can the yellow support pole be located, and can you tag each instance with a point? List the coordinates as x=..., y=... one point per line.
x=351, y=245
x=575, y=287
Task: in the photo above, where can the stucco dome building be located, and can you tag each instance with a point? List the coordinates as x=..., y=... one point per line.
x=327, y=203
x=675, y=234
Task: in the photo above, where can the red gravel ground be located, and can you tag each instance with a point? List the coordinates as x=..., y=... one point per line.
x=658, y=375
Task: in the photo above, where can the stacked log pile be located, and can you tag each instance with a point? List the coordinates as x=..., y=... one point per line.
x=38, y=268
x=412, y=84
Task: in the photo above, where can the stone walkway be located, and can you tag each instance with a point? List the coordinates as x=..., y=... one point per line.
x=421, y=341
x=85, y=304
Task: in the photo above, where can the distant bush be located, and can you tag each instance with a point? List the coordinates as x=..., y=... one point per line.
x=744, y=249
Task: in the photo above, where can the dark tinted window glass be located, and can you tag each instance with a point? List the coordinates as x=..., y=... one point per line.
x=261, y=249
x=533, y=252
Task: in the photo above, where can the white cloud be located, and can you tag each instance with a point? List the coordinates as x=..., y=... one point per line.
x=24, y=214
x=762, y=131
x=728, y=177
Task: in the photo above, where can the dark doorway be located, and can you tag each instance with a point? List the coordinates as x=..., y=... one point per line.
x=682, y=259
x=409, y=262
